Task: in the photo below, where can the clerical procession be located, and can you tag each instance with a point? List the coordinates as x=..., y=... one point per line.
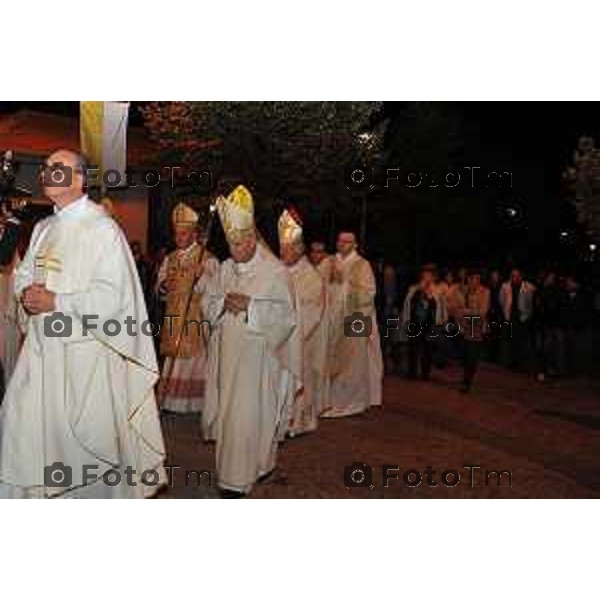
x=244, y=283
x=255, y=343
x=240, y=326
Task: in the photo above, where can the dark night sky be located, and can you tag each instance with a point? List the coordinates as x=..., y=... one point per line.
x=535, y=140
x=540, y=135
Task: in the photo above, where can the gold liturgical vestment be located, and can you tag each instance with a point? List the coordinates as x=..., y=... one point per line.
x=178, y=327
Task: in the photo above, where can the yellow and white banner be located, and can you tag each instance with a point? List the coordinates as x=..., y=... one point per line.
x=103, y=133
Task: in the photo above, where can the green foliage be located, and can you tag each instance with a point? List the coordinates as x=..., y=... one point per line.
x=283, y=149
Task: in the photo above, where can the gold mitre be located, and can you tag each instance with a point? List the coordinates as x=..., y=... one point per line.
x=290, y=228
x=184, y=216
x=236, y=213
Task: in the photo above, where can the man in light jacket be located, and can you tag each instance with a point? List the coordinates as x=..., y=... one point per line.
x=516, y=300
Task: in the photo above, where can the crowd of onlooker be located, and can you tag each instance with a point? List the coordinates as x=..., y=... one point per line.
x=547, y=325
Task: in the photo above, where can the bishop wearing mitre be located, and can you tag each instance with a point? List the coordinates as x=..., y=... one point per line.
x=253, y=358
x=183, y=276
x=354, y=361
x=309, y=295
x=79, y=418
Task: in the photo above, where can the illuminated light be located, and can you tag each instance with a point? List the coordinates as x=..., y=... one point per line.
x=365, y=137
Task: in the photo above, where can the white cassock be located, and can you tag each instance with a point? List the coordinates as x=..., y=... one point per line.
x=252, y=365
x=354, y=364
x=309, y=292
x=82, y=399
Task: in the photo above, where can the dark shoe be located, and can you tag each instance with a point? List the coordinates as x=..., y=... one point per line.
x=231, y=494
x=265, y=476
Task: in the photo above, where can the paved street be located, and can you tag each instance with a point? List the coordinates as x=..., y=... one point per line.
x=547, y=435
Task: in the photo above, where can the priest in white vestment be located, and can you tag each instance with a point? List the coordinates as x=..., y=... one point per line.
x=354, y=361
x=309, y=293
x=79, y=419
x=184, y=337
x=252, y=358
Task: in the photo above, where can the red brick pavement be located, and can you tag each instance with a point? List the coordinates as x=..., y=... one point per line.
x=547, y=435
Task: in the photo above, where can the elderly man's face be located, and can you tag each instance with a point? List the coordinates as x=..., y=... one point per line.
x=184, y=237
x=62, y=176
x=243, y=250
x=290, y=254
x=346, y=242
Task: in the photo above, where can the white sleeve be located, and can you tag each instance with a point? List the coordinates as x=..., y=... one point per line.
x=210, y=271
x=24, y=273
x=213, y=298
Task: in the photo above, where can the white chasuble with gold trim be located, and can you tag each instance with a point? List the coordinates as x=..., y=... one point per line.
x=82, y=398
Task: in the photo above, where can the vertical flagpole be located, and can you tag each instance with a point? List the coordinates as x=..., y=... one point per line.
x=103, y=136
